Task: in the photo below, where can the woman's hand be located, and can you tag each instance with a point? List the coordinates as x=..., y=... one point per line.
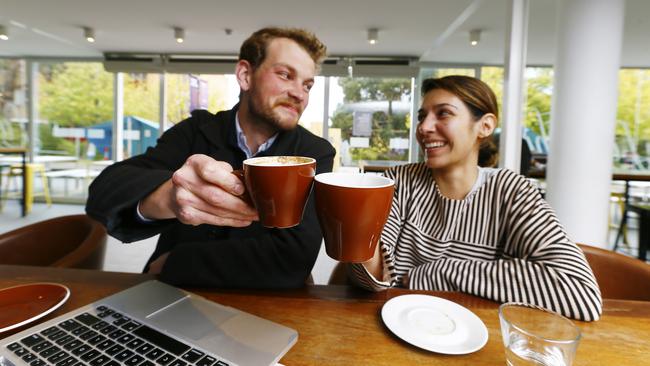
x=375, y=265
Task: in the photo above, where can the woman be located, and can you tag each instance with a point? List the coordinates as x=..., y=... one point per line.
x=455, y=226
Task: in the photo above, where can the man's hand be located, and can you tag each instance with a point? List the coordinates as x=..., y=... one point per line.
x=202, y=191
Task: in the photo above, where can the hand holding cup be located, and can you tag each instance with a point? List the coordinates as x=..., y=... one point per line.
x=204, y=191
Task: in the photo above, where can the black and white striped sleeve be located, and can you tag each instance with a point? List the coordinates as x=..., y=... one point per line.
x=539, y=264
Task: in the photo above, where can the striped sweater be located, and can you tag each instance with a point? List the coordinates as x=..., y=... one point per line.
x=502, y=242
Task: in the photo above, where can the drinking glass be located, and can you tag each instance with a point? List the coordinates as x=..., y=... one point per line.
x=535, y=336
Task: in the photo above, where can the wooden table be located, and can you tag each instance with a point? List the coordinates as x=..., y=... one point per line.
x=340, y=325
x=23, y=152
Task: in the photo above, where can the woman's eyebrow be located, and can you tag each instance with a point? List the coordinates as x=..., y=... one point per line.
x=440, y=105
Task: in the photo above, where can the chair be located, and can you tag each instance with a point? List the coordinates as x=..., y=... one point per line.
x=619, y=276
x=32, y=169
x=74, y=241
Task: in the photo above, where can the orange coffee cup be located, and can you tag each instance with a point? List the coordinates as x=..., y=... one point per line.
x=278, y=187
x=352, y=210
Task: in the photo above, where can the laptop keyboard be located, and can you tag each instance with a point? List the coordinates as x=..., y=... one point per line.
x=107, y=339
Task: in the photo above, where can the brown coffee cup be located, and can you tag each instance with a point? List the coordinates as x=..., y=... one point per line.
x=352, y=210
x=278, y=187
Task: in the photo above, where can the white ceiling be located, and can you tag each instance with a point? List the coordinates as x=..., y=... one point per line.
x=436, y=29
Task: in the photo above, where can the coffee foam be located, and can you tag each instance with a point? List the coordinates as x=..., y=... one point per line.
x=278, y=160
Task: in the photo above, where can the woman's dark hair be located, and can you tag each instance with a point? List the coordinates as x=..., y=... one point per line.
x=479, y=99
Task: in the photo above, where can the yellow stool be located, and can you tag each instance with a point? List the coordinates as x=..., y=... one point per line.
x=17, y=171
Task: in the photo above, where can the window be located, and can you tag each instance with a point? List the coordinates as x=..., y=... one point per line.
x=13, y=103
x=75, y=109
x=186, y=92
x=632, y=144
x=141, y=112
x=371, y=120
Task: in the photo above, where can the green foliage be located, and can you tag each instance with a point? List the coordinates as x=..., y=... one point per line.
x=539, y=84
x=141, y=96
x=343, y=120
x=368, y=89
x=634, y=104
x=80, y=94
x=11, y=134
x=51, y=143
x=75, y=94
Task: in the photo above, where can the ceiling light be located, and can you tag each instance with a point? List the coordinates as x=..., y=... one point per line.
x=89, y=33
x=474, y=36
x=373, y=35
x=4, y=34
x=179, y=34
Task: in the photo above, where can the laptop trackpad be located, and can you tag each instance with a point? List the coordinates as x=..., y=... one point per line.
x=191, y=318
x=231, y=334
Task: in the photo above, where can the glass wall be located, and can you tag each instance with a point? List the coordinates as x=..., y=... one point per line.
x=74, y=133
x=13, y=103
x=370, y=120
x=632, y=145
x=186, y=92
x=312, y=116
x=438, y=72
x=73, y=97
x=141, y=112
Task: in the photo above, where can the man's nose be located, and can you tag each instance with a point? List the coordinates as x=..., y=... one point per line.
x=298, y=92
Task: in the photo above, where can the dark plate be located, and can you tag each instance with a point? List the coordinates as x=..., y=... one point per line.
x=20, y=305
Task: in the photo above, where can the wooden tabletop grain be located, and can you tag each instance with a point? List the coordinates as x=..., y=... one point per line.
x=340, y=325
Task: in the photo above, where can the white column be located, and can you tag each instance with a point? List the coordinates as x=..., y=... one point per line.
x=162, y=102
x=583, y=115
x=513, y=85
x=118, y=116
x=414, y=150
x=32, y=109
x=326, y=108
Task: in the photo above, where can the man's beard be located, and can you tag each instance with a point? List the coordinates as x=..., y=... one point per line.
x=261, y=113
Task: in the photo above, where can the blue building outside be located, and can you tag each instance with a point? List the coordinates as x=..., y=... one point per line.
x=138, y=132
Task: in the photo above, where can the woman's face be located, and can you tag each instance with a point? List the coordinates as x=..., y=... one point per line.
x=448, y=133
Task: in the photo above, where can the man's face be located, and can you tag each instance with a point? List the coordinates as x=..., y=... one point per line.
x=279, y=87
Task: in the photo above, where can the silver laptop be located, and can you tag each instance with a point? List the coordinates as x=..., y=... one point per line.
x=146, y=325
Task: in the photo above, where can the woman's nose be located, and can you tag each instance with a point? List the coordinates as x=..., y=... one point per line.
x=428, y=124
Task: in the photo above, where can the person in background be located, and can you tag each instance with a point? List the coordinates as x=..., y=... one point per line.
x=455, y=226
x=184, y=189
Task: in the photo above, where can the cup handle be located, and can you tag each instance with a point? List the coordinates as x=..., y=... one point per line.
x=239, y=173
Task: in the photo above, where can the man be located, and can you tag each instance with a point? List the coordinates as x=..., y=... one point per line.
x=184, y=189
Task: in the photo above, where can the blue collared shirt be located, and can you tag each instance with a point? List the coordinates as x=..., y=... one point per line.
x=241, y=141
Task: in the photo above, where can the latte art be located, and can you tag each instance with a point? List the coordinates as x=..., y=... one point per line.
x=278, y=160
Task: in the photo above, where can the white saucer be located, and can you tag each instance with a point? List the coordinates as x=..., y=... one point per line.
x=434, y=324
